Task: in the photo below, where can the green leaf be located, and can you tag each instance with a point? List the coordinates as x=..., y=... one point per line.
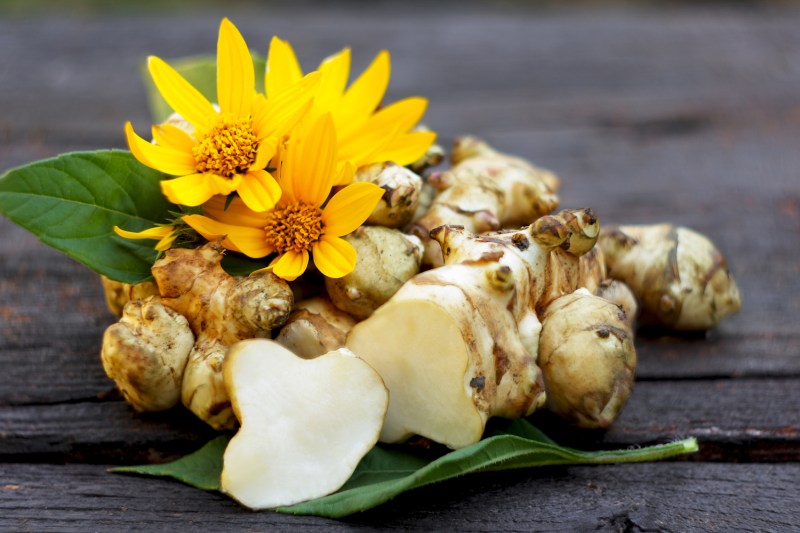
x=521, y=447
x=200, y=469
x=201, y=72
x=72, y=202
x=386, y=472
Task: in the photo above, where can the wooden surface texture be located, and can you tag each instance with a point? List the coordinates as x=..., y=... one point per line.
x=685, y=115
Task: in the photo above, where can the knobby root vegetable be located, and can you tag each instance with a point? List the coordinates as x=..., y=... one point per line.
x=485, y=191
x=305, y=424
x=387, y=258
x=401, y=188
x=678, y=276
x=118, y=293
x=146, y=352
x=315, y=327
x=432, y=157
x=458, y=344
x=221, y=310
x=587, y=357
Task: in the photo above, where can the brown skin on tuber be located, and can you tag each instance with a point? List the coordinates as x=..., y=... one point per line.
x=587, y=356
x=387, y=258
x=118, y=293
x=432, y=157
x=679, y=278
x=146, y=352
x=315, y=327
x=401, y=188
x=458, y=344
x=221, y=310
x=485, y=191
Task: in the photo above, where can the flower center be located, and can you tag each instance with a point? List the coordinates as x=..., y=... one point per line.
x=294, y=227
x=227, y=148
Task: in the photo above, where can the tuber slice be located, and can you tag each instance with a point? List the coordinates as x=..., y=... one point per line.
x=305, y=424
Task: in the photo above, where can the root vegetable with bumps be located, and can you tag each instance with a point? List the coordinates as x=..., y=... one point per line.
x=146, y=353
x=459, y=344
x=679, y=278
x=485, y=191
x=401, y=188
x=217, y=308
x=387, y=258
x=315, y=327
x=305, y=424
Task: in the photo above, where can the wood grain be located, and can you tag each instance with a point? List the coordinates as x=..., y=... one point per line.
x=644, y=497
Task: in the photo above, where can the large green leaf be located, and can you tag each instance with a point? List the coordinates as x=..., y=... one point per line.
x=201, y=72
x=386, y=472
x=72, y=202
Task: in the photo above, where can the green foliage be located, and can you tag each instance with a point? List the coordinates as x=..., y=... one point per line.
x=200, y=469
x=201, y=72
x=72, y=202
x=385, y=472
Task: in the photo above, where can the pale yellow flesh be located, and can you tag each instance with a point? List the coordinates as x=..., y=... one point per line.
x=418, y=349
x=305, y=423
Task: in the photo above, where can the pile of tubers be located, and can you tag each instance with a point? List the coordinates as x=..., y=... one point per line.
x=470, y=299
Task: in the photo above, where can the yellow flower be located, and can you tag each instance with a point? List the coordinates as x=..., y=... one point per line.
x=366, y=134
x=164, y=234
x=299, y=223
x=230, y=148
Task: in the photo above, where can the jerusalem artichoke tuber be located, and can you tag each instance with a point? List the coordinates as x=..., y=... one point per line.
x=387, y=258
x=221, y=310
x=315, y=327
x=146, y=352
x=305, y=424
x=458, y=344
x=677, y=275
x=485, y=191
x=401, y=188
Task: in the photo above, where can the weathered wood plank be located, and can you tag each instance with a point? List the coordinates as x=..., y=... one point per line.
x=735, y=420
x=646, y=497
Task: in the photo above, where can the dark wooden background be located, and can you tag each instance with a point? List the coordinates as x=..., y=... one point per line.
x=685, y=115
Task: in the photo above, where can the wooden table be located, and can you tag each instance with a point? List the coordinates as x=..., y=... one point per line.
x=690, y=116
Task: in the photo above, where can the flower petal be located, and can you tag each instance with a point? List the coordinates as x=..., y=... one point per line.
x=401, y=116
x=259, y=191
x=364, y=95
x=346, y=172
x=157, y=232
x=313, y=162
x=233, y=212
x=266, y=150
x=406, y=148
x=195, y=189
x=162, y=158
x=334, y=257
x=290, y=265
x=243, y=239
x=282, y=67
x=334, y=71
x=162, y=233
x=350, y=207
x=173, y=137
x=235, y=75
x=187, y=101
x=277, y=115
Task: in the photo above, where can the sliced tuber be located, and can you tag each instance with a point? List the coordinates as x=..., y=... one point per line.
x=305, y=424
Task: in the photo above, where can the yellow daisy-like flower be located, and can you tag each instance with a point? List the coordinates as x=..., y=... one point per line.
x=230, y=148
x=299, y=223
x=164, y=234
x=366, y=133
